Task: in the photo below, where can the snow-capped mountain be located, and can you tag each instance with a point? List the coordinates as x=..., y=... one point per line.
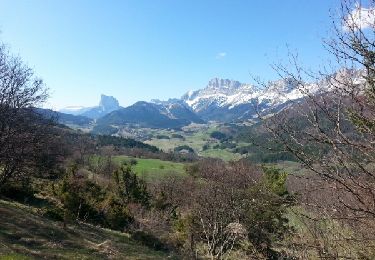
x=219, y=92
x=230, y=100
x=221, y=100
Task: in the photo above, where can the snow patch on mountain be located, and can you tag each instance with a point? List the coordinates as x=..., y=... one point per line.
x=230, y=94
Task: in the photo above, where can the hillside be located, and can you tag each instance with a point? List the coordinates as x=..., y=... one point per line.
x=144, y=114
x=27, y=235
x=66, y=119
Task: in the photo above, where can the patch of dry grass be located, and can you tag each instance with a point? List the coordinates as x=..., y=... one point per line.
x=25, y=234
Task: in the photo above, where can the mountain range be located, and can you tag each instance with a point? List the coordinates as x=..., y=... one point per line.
x=66, y=119
x=222, y=100
x=228, y=100
x=152, y=115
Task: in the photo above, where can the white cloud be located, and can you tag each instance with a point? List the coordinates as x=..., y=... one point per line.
x=221, y=55
x=360, y=18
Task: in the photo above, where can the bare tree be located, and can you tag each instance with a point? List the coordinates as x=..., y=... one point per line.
x=233, y=204
x=23, y=132
x=331, y=129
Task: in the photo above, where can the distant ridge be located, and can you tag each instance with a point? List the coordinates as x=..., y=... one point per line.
x=106, y=105
x=150, y=115
x=66, y=119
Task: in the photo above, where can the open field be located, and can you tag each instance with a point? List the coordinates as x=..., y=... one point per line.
x=24, y=234
x=223, y=154
x=195, y=138
x=151, y=169
x=148, y=169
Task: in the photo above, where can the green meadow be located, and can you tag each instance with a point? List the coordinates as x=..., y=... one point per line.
x=153, y=169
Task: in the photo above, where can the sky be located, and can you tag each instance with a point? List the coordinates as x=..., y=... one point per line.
x=158, y=49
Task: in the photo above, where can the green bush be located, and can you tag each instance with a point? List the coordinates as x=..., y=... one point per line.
x=81, y=197
x=162, y=137
x=183, y=147
x=218, y=135
x=117, y=215
x=130, y=188
x=149, y=240
x=275, y=180
x=53, y=213
x=15, y=257
x=21, y=192
x=227, y=145
x=133, y=162
x=178, y=136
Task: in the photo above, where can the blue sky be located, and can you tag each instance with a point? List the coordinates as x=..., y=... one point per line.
x=140, y=50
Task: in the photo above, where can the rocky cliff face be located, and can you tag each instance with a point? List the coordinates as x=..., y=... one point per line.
x=230, y=100
x=220, y=93
x=107, y=104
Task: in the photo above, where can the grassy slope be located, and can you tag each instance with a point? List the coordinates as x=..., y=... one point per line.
x=149, y=169
x=290, y=167
x=26, y=235
x=221, y=154
x=194, y=140
x=152, y=169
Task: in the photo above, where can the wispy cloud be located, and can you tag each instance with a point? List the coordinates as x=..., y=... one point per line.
x=221, y=55
x=359, y=18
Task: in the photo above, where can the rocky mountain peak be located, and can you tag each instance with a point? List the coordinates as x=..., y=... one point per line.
x=217, y=83
x=283, y=85
x=220, y=92
x=108, y=103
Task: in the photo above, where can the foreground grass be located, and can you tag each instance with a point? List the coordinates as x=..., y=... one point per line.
x=24, y=234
